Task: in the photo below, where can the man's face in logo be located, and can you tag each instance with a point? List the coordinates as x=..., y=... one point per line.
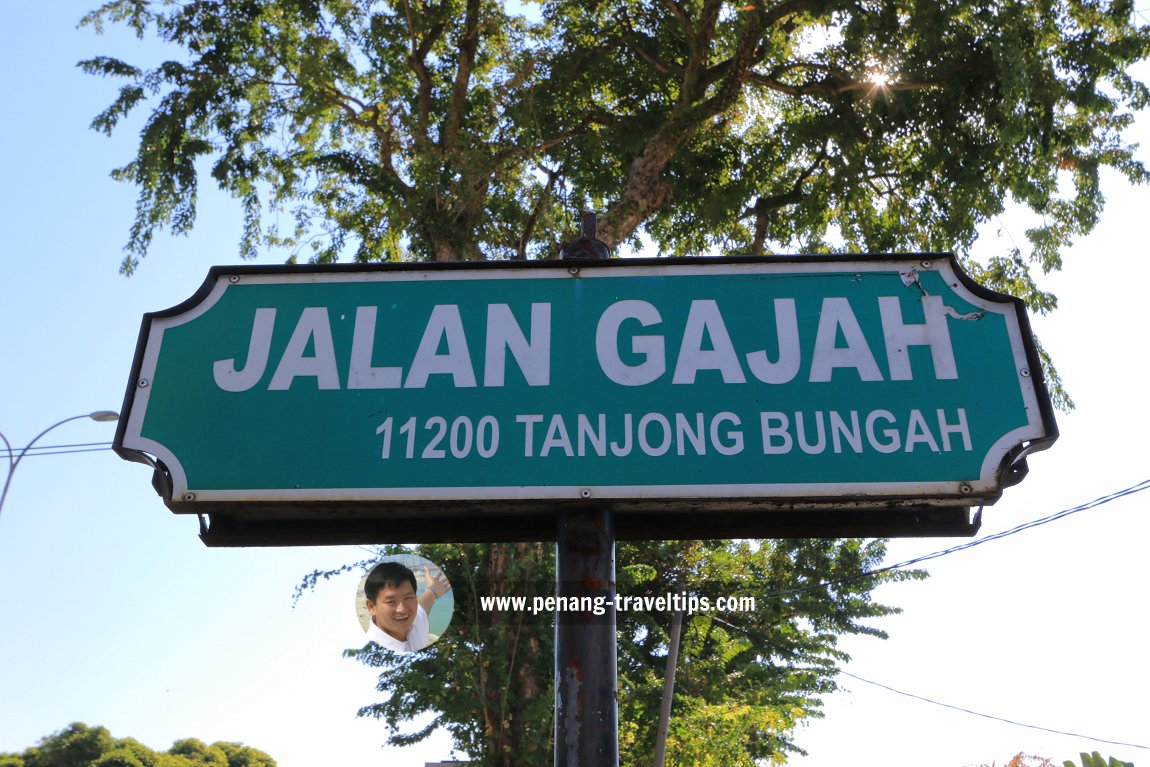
x=394, y=609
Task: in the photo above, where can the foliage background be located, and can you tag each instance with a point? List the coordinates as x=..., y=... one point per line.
x=79, y=745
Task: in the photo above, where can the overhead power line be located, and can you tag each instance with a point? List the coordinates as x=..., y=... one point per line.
x=1143, y=485
x=35, y=450
x=995, y=718
x=1101, y=500
x=38, y=448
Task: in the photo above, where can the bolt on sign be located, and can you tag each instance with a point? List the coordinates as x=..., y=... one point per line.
x=653, y=387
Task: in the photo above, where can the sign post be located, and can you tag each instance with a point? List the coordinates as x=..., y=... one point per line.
x=586, y=648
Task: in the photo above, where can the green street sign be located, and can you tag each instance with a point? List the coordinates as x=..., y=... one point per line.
x=710, y=383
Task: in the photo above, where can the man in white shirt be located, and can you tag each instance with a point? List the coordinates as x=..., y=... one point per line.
x=398, y=616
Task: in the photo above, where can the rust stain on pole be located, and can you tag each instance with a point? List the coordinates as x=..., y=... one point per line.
x=586, y=674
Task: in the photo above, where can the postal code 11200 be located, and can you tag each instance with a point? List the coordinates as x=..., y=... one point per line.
x=461, y=436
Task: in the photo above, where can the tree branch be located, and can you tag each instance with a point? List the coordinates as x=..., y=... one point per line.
x=694, y=81
x=385, y=135
x=468, y=46
x=765, y=206
x=536, y=212
x=368, y=117
x=681, y=17
x=417, y=60
x=656, y=63
x=509, y=152
x=771, y=18
x=792, y=7
x=357, y=111
x=645, y=190
x=827, y=87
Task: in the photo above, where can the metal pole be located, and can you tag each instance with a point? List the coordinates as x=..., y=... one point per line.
x=586, y=668
x=586, y=673
x=14, y=459
x=668, y=690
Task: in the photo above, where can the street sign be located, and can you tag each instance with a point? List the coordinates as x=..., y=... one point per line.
x=715, y=385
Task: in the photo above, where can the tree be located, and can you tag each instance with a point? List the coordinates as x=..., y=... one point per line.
x=1095, y=760
x=745, y=678
x=79, y=745
x=464, y=129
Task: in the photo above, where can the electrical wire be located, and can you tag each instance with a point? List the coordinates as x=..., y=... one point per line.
x=33, y=448
x=1099, y=501
x=37, y=450
x=995, y=718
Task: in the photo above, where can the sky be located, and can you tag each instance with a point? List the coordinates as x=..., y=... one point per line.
x=113, y=613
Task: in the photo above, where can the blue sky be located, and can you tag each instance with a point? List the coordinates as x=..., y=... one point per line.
x=113, y=612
